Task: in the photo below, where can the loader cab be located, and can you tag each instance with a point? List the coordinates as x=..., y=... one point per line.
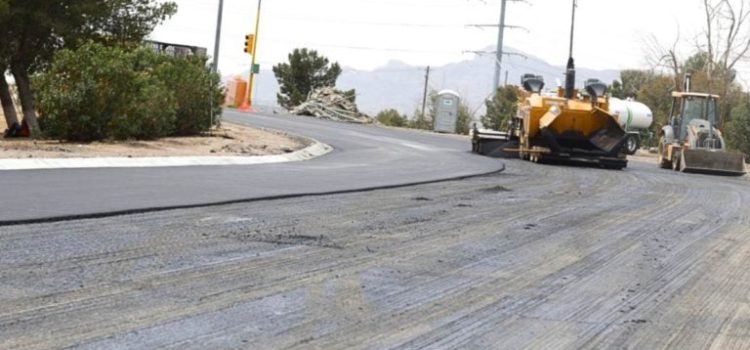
x=687, y=107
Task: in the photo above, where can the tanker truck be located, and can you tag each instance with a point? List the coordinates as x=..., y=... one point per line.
x=634, y=117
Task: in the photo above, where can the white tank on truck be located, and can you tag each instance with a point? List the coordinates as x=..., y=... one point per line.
x=634, y=117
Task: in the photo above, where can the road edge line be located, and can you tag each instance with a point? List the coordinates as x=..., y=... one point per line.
x=102, y=215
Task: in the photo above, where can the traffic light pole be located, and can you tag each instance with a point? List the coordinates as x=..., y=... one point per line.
x=255, y=50
x=251, y=85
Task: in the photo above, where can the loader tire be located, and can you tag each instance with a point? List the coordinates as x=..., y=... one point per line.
x=682, y=162
x=663, y=162
x=676, y=163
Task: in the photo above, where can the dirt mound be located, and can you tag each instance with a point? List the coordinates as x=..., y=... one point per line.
x=329, y=103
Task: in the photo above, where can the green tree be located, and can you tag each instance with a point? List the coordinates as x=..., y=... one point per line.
x=305, y=71
x=33, y=30
x=633, y=82
x=718, y=81
x=501, y=108
x=738, y=128
x=616, y=89
x=657, y=95
x=391, y=117
x=463, y=122
x=124, y=22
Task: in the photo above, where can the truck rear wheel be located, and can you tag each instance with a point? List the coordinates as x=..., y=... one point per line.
x=632, y=144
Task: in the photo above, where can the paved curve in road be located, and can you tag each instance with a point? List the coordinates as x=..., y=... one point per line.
x=364, y=156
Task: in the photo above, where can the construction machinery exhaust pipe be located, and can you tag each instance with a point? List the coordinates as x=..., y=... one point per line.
x=570, y=79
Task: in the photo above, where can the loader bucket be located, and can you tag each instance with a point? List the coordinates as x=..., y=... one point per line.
x=712, y=162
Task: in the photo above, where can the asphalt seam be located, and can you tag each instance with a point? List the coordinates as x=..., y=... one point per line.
x=63, y=218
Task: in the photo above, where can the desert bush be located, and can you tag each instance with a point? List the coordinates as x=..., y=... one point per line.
x=391, y=117
x=98, y=92
x=197, y=91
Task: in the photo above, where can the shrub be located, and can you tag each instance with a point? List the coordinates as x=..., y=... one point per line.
x=391, y=117
x=196, y=89
x=738, y=129
x=98, y=92
x=464, y=119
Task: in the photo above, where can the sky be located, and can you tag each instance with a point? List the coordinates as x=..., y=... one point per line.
x=366, y=34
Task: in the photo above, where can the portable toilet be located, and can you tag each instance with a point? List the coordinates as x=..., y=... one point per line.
x=447, y=111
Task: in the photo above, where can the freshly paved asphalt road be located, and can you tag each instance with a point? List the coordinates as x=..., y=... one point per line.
x=364, y=156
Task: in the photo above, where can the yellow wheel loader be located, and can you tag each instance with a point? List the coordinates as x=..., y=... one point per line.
x=691, y=142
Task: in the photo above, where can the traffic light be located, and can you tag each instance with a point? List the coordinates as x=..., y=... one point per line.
x=249, y=43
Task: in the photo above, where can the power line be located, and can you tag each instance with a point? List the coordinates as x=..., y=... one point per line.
x=509, y=26
x=428, y=3
x=393, y=3
x=480, y=52
x=365, y=48
x=368, y=23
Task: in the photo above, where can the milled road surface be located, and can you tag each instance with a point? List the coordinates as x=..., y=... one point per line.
x=538, y=257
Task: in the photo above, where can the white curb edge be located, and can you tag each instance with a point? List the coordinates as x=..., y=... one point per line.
x=316, y=149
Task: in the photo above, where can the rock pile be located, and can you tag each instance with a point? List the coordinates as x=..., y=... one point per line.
x=329, y=103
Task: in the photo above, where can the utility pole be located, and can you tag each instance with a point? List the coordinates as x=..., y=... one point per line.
x=499, y=54
x=217, y=44
x=426, y=82
x=506, y=78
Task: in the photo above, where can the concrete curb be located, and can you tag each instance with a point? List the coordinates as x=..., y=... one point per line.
x=316, y=149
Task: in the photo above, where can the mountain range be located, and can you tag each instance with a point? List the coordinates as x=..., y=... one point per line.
x=399, y=85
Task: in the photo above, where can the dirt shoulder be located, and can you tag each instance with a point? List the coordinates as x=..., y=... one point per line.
x=229, y=140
